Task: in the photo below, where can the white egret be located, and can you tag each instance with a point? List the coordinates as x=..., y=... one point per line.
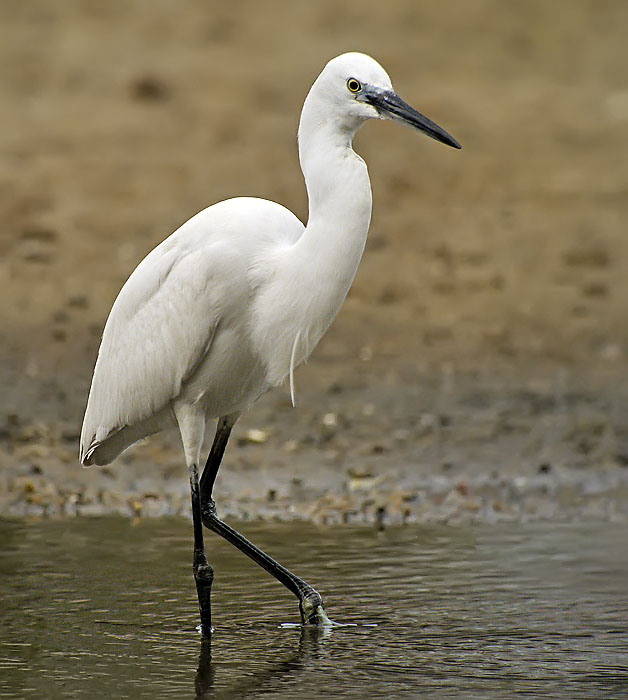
x=227, y=306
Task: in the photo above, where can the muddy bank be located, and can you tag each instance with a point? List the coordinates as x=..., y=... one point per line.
x=450, y=449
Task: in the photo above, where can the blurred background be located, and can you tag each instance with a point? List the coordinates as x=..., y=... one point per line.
x=485, y=333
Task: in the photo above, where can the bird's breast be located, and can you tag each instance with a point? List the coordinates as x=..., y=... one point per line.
x=291, y=314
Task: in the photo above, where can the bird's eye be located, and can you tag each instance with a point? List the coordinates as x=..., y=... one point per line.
x=354, y=85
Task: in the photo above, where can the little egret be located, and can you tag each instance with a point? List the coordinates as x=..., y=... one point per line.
x=227, y=306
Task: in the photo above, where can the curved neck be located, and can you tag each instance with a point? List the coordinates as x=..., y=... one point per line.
x=313, y=275
x=339, y=195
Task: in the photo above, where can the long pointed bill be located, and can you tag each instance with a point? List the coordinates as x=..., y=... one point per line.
x=391, y=106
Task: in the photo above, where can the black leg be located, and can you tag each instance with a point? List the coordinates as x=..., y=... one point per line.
x=310, y=601
x=212, y=465
x=203, y=573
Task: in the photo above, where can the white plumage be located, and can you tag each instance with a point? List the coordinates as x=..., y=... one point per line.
x=235, y=299
x=180, y=329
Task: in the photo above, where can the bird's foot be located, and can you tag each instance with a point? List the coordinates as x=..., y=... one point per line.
x=312, y=610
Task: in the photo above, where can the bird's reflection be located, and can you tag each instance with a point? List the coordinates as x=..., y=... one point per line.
x=206, y=672
x=307, y=651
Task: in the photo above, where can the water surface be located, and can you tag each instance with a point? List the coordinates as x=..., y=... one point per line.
x=106, y=608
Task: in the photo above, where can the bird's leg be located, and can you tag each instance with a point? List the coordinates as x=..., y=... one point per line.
x=310, y=601
x=203, y=573
x=223, y=431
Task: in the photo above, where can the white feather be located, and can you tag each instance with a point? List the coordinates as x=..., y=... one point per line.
x=161, y=330
x=292, y=358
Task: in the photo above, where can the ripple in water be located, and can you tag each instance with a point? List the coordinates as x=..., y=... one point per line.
x=107, y=608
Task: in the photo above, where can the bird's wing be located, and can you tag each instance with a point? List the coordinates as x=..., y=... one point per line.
x=159, y=329
x=165, y=318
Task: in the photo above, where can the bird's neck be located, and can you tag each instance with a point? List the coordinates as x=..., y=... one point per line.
x=313, y=276
x=339, y=194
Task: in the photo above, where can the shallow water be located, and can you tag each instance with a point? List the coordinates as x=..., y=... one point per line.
x=106, y=608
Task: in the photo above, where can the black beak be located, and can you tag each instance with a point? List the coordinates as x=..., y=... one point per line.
x=391, y=106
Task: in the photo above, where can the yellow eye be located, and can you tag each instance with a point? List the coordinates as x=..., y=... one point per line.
x=353, y=85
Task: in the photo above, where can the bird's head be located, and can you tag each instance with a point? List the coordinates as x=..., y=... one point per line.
x=353, y=87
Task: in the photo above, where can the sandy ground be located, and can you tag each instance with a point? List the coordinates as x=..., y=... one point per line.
x=477, y=368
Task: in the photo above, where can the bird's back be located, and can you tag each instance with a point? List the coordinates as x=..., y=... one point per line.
x=193, y=287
